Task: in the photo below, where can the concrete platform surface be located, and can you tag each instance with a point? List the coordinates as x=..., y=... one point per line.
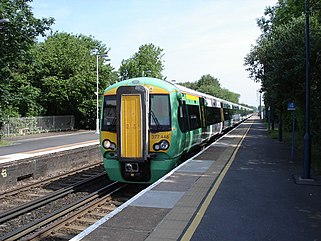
x=36, y=156
x=29, y=146
x=239, y=188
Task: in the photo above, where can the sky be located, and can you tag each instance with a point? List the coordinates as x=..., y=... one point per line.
x=198, y=37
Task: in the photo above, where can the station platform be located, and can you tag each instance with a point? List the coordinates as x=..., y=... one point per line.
x=239, y=188
x=37, y=156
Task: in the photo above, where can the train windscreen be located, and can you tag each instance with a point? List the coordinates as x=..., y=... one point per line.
x=160, y=113
x=109, y=114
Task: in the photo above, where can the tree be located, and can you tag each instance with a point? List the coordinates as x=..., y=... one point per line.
x=277, y=61
x=64, y=69
x=208, y=80
x=210, y=85
x=146, y=62
x=16, y=38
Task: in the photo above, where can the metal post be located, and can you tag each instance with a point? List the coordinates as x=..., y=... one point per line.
x=307, y=135
x=97, y=90
x=293, y=128
x=97, y=79
x=269, y=118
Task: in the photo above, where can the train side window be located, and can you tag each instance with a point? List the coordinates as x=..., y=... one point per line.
x=194, y=117
x=109, y=114
x=213, y=115
x=227, y=114
x=182, y=116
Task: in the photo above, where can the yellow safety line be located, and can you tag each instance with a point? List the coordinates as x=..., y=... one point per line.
x=200, y=214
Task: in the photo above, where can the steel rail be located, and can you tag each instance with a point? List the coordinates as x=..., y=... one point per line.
x=55, y=227
x=32, y=227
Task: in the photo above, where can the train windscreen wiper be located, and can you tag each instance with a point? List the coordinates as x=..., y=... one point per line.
x=155, y=120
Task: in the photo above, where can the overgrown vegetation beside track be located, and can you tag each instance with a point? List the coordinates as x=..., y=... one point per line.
x=278, y=62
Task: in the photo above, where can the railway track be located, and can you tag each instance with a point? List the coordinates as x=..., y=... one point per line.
x=78, y=221
x=75, y=174
x=49, y=207
x=36, y=190
x=21, y=206
x=39, y=202
x=71, y=219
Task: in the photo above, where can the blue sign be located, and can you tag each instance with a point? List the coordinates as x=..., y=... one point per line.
x=291, y=106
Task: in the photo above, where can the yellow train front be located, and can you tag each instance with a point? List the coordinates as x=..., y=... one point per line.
x=147, y=125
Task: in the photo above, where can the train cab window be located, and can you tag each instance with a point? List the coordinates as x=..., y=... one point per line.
x=109, y=114
x=160, y=113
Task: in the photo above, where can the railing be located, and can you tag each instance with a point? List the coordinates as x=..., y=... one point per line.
x=37, y=124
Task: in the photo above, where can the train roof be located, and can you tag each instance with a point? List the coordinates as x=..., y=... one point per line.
x=143, y=81
x=194, y=92
x=172, y=87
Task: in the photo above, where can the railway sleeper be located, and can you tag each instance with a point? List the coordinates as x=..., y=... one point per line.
x=33, y=195
x=76, y=228
x=62, y=236
x=97, y=214
x=88, y=175
x=21, y=201
x=87, y=220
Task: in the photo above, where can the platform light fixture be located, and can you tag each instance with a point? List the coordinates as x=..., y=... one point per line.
x=260, y=91
x=307, y=135
x=4, y=20
x=97, y=93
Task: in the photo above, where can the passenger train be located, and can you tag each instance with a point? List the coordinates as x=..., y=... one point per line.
x=148, y=124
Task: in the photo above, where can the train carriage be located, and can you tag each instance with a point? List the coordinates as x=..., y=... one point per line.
x=147, y=125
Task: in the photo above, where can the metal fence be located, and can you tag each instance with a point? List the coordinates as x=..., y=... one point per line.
x=37, y=124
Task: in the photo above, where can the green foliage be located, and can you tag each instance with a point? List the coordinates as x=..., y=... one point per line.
x=210, y=85
x=26, y=97
x=64, y=69
x=20, y=33
x=16, y=38
x=146, y=62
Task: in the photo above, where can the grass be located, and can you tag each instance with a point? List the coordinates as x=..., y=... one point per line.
x=5, y=143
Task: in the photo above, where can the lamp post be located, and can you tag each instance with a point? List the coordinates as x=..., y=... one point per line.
x=97, y=80
x=4, y=20
x=260, y=104
x=307, y=135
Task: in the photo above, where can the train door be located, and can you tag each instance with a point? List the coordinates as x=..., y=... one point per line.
x=203, y=114
x=183, y=121
x=131, y=126
x=202, y=103
x=132, y=106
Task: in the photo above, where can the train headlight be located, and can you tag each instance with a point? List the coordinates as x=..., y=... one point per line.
x=156, y=147
x=107, y=144
x=162, y=145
